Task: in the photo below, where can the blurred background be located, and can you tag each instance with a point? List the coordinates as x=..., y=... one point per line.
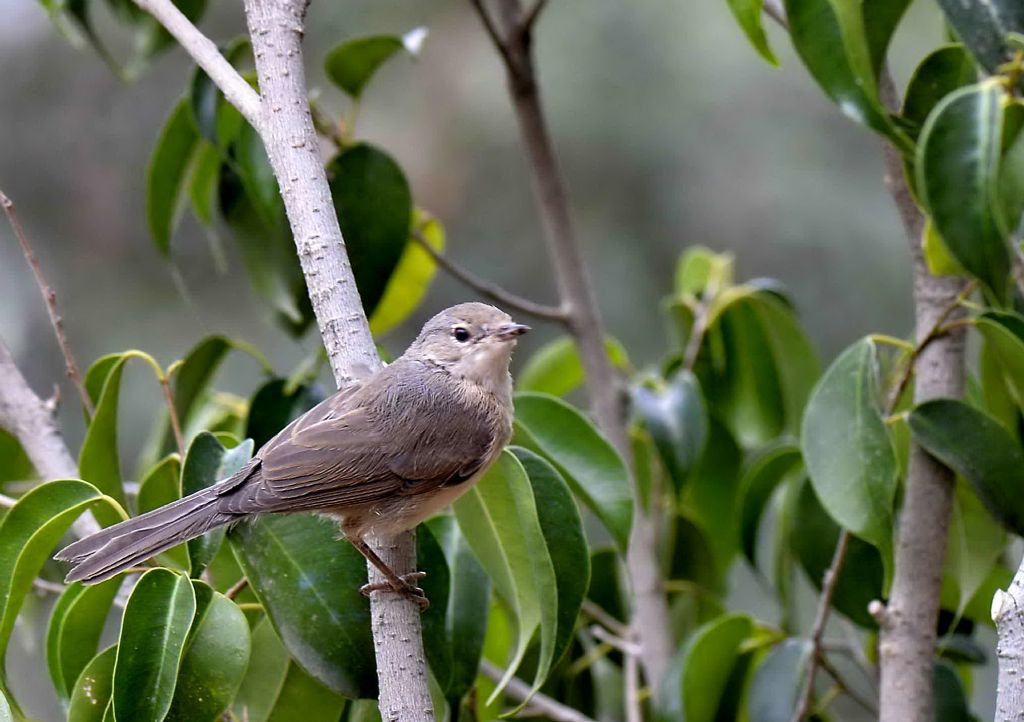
x=670, y=130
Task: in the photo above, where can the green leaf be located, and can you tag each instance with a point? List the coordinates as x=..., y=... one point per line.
x=499, y=519
x=275, y=689
x=757, y=486
x=98, y=460
x=206, y=463
x=73, y=634
x=162, y=485
x=562, y=528
x=958, y=162
x=272, y=408
x=412, y=276
x=942, y=71
x=29, y=532
x=975, y=543
x=676, y=418
x=831, y=40
x=301, y=571
x=748, y=15
x=847, y=449
x=556, y=369
x=468, y=604
x=1004, y=343
x=156, y=621
x=778, y=682
x=937, y=255
x=167, y=175
x=14, y=463
x=879, y=24
x=694, y=686
x=351, y=64
x=701, y=271
x=430, y=559
x=217, y=120
x=711, y=496
x=984, y=26
x=90, y=698
x=812, y=536
x=978, y=448
x=594, y=470
x=950, y=695
x=215, y=659
x=374, y=205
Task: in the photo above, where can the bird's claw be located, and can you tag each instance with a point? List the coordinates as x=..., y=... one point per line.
x=407, y=589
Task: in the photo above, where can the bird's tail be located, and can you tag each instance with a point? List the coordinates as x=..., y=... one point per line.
x=114, y=549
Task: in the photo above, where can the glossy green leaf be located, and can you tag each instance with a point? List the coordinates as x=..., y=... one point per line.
x=351, y=64
x=778, y=681
x=562, y=528
x=556, y=369
x=374, y=205
x=978, y=448
x=796, y=362
x=412, y=276
x=700, y=270
x=759, y=482
x=975, y=543
x=90, y=698
x=273, y=406
x=300, y=572
x=275, y=689
x=98, y=460
x=206, y=463
x=942, y=71
x=984, y=26
x=29, y=532
x=217, y=120
x=748, y=15
x=1006, y=348
x=430, y=559
x=73, y=633
x=14, y=463
x=812, y=537
x=694, y=686
x=847, y=449
x=958, y=161
x=937, y=255
x=950, y=696
x=594, y=470
x=215, y=658
x=154, y=627
x=196, y=372
x=675, y=416
x=831, y=40
x=468, y=604
x=162, y=485
x=711, y=496
x=499, y=519
x=202, y=190
x=880, y=18
x=167, y=175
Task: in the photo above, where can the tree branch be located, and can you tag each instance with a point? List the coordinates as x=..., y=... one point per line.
x=519, y=690
x=30, y=420
x=491, y=290
x=604, y=387
x=50, y=297
x=206, y=55
x=908, y=634
x=1007, y=614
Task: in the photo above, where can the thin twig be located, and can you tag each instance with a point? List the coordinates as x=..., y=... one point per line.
x=45, y=585
x=598, y=614
x=828, y=590
x=631, y=671
x=172, y=413
x=237, y=588
x=519, y=690
x=500, y=44
x=489, y=289
x=206, y=55
x=623, y=645
x=50, y=297
x=530, y=18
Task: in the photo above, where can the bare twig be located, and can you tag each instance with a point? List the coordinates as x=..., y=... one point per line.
x=30, y=420
x=206, y=55
x=828, y=590
x=50, y=297
x=519, y=690
x=172, y=413
x=491, y=290
x=531, y=16
x=598, y=614
x=45, y=585
x=237, y=588
x=622, y=644
x=631, y=671
x=605, y=388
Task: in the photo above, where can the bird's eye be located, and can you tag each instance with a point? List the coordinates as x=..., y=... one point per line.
x=461, y=334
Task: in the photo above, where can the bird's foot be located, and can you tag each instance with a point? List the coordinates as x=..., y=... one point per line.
x=404, y=585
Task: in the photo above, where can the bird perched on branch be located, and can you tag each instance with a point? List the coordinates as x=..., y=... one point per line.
x=379, y=457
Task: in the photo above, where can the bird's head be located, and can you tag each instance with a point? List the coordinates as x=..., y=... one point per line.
x=472, y=341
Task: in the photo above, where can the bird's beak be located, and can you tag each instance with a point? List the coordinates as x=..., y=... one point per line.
x=509, y=331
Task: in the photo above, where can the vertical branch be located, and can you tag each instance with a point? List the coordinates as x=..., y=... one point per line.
x=908, y=634
x=513, y=40
x=285, y=123
x=1006, y=613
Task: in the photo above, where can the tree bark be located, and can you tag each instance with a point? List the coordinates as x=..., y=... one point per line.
x=908, y=635
x=1008, y=614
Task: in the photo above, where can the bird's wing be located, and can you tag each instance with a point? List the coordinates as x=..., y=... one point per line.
x=405, y=434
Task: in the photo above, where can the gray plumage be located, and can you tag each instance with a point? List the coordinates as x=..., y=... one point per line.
x=379, y=457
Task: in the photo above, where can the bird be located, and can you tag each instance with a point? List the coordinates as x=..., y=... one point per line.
x=377, y=457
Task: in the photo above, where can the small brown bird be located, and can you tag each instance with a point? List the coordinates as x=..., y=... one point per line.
x=379, y=457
